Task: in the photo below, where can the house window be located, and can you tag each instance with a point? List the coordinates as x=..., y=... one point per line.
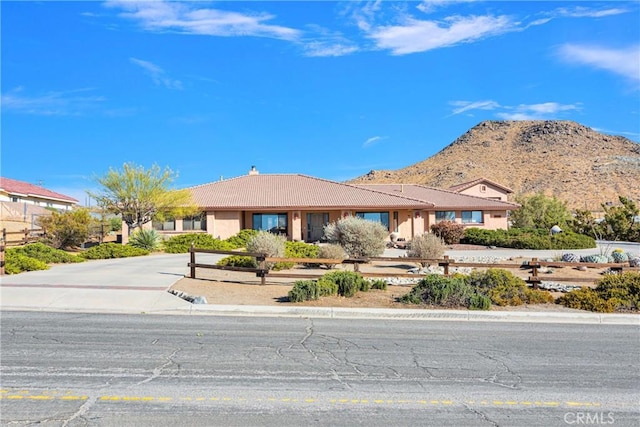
x=472, y=217
x=395, y=221
x=483, y=188
x=272, y=222
x=381, y=217
x=14, y=199
x=198, y=222
x=168, y=225
x=445, y=216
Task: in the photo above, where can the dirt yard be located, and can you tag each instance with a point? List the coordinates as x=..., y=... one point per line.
x=240, y=288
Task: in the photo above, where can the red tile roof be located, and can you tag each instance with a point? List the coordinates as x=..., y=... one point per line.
x=294, y=191
x=465, y=185
x=14, y=187
x=442, y=199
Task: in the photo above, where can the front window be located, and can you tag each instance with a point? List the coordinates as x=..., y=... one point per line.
x=472, y=217
x=168, y=225
x=445, y=216
x=198, y=222
x=273, y=223
x=381, y=217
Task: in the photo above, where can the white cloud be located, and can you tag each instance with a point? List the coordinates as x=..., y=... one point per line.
x=60, y=103
x=463, y=106
x=624, y=62
x=428, y=6
x=157, y=74
x=585, y=12
x=318, y=48
x=373, y=140
x=420, y=36
x=545, y=110
x=191, y=19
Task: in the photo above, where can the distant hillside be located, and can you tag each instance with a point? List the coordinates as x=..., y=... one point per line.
x=573, y=162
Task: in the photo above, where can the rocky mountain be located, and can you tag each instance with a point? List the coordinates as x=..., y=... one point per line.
x=578, y=165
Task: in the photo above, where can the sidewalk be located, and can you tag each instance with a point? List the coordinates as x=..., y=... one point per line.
x=139, y=286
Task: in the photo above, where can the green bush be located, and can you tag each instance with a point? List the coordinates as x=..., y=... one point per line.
x=66, y=229
x=145, y=239
x=520, y=238
x=379, y=284
x=16, y=262
x=349, y=283
x=329, y=251
x=450, y=232
x=449, y=292
x=181, y=244
x=306, y=290
x=112, y=250
x=269, y=244
x=240, y=240
x=506, y=289
x=358, y=237
x=238, y=261
x=46, y=254
x=296, y=250
x=613, y=292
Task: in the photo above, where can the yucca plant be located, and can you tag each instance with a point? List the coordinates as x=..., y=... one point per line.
x=145, y=239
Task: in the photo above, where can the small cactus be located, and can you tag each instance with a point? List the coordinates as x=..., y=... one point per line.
x=570, y=257
x=595, y=259
x=619, y=256
x=634, y=261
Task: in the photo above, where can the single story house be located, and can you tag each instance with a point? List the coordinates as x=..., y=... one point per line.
x=12, y=190
x=483, y=187
x=299, y=206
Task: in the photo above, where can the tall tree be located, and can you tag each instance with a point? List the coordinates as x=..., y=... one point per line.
x=140, y=195
x=540, y=211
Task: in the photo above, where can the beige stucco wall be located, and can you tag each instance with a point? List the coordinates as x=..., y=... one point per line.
x=224, y=224
x=491, y=192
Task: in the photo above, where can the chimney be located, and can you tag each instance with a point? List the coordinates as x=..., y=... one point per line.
x=253, y=171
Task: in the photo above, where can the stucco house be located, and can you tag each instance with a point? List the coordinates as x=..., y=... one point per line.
x=12, y=190
x=299, y=206
x=483, y=187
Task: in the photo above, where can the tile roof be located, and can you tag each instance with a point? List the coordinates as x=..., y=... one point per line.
x=291, y=191
x=24, y=189
x=442, y=199
x=465, y=185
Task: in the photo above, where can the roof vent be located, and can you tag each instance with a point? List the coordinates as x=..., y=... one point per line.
x=253, y=171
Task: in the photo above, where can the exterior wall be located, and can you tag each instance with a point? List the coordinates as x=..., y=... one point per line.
x=491, y=192
x=224, y=224
x=56, y=204
x=492, y=220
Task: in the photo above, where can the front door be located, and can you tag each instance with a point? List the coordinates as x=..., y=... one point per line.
x=315, y=226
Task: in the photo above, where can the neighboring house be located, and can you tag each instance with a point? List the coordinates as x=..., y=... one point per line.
x=483, y=187
x=12, y=190
x=299, y=206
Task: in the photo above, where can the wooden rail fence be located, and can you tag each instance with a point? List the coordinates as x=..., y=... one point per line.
x=262, y=271
x=26, y=236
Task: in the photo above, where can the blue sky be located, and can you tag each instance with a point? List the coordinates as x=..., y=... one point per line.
x=329, y=89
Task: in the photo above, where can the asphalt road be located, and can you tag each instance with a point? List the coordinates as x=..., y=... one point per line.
x=62, y=369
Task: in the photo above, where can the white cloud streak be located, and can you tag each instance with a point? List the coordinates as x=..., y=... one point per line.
x=463, y=106
x=374, y=139
x=189, y=19
x=157, y=74
x=540, y=111
x=57, y=103
x=624, y=62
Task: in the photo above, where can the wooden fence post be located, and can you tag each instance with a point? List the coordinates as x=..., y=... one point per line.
x=2, y=247
x=192, y=263
x=534, y=273
x=263, y=267
x=446, y=265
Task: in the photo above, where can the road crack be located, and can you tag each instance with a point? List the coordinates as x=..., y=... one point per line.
x=157, y=371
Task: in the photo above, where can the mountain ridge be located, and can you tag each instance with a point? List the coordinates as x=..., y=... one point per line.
x=573, y=162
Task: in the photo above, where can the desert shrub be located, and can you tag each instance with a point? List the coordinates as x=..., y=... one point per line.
x=238, y=261
x=519, y=238
x=586, y=299
x=66, y=229
x=379, y=284
x=16, y=262
x=112, y=250
x=296, y=250
x=449, y=231
x=358, y=237
x=506, y=289
x=427, y=245
x=181, y=244
x=306, y=290
x=621, y=290
x=329, y=251
x=240, y=239
x=450, y=292
x=145, y=239
x=349, y=283
x=46, y=254
x=269, y=244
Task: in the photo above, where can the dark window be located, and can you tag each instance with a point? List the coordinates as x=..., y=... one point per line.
x=472, y=217
x=198, y=222
x=272, y=222
x=381, y=217
x=445, y=216
x=168, y=225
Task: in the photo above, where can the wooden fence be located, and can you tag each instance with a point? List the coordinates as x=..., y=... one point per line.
x=263, y=272
x=25, y=236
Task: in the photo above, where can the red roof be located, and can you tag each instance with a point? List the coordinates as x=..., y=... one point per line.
x=14, y=187
x=289, y=191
